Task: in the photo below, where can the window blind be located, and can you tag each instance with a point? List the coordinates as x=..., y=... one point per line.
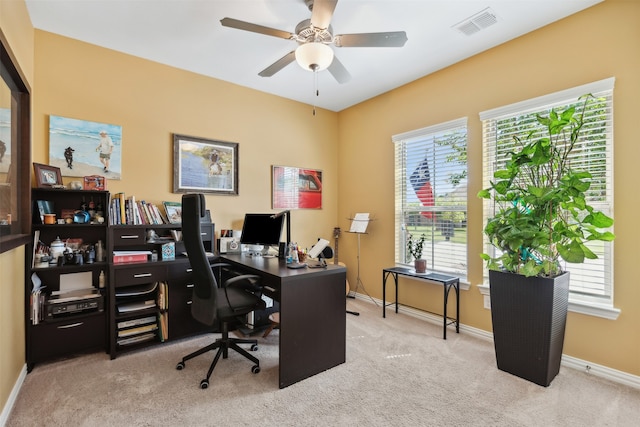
x=431, y=195
x=593, y=280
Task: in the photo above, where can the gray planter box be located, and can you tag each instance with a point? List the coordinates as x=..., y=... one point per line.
x=529, y=315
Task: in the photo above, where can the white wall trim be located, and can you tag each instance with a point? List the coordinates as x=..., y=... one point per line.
x=6, y=411
x=594, y=369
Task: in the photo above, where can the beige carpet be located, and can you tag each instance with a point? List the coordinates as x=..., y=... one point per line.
x=399, y=372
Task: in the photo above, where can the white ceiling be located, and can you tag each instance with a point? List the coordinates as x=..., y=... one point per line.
x=187, y=34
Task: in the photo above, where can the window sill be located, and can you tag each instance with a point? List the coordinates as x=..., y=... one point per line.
x=582, y=307
x=12, y=241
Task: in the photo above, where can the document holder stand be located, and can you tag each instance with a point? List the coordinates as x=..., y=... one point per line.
x=358, y=226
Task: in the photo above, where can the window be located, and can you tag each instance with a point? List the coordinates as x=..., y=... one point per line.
x=15, y=155
x=591, y=282
x=431, y=195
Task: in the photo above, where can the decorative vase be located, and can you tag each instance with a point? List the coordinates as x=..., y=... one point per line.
x=529, y=315
x=420, y=265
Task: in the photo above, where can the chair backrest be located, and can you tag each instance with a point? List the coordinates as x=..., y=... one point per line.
x=204, y=304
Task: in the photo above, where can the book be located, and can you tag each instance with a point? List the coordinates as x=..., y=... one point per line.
x=136, y=322
x=131, y=291
x=123, y=214
x=158, y=215
x=137, y=330
x=130, y=256
x=119, y=259
x=164, y=331
x=145, y=207
x=44, y=207
x=136, y=339
x=136, y=306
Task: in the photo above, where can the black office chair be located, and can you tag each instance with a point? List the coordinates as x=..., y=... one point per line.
x=238, y=296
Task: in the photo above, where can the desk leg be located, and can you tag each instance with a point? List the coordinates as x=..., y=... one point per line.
x=385, y=276
x=395, y=280
x=457, y=285
x=445, y=289
x=384, y=293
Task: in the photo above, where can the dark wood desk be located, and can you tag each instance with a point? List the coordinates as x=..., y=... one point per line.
x=312, y=313
x=448, y=283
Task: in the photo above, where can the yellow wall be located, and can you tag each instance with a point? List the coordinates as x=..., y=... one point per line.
x=152, y=101
x=600, y=42
x=17, y=32
x=16, y=28
x=12, y=356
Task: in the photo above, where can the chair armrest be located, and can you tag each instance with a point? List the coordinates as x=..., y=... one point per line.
x=250, y=285
x=216, y=264
x=249, y=278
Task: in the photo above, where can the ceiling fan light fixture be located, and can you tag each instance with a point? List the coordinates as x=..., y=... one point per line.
x=314, y=56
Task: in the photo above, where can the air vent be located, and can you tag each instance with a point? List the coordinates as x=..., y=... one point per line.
x=477, y=22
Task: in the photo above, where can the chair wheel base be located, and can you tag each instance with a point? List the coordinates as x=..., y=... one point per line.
x=204, y=384
x=255, y=369
x=254, y=347
x=180, y=366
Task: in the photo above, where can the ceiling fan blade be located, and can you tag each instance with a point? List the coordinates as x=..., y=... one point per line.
x=255, y=28
x=338, y=71
x=278, y=65
x=322, y=13
x=390, y=39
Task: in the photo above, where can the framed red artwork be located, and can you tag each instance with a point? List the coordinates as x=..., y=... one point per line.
x=296, y=188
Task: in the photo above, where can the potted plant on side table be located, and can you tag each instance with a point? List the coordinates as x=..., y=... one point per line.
x=542, y=217
x=414, y=247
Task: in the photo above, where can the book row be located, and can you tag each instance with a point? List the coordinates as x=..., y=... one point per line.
x=128, y=211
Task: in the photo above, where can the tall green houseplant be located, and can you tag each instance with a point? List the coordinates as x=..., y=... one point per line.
x=542, y=218
x=543, y=215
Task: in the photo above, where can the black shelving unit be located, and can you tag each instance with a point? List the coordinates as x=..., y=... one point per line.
x=58, y=330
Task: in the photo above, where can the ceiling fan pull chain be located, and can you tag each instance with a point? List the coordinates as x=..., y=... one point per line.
x=315, y=87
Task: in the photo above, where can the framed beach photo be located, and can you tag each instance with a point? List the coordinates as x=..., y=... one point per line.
x=46, y=175
x=82, y=148
x=204, y=165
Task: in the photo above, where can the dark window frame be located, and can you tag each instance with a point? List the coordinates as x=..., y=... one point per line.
x=21, y=148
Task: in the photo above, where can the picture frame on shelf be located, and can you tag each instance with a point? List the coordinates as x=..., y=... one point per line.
x=173, y=211
x=94, y=182
x=47, y=176
x=204, y=165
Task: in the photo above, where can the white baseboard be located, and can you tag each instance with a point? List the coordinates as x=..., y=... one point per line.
x=601, y=371
x=6, y=411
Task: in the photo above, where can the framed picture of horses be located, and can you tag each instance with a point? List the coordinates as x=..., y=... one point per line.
x=204, y=165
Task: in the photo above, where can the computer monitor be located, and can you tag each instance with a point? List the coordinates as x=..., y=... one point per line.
x=262, y=229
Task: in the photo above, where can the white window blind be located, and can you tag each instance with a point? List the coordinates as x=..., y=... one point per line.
x=431, y=195
x=591, y=282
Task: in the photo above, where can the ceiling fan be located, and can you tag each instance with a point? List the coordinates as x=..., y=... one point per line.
x=314, y=37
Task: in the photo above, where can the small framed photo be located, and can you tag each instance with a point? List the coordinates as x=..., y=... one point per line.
x=47, y=176
x=95, y=182
x=174, y=212
x=204, y=165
